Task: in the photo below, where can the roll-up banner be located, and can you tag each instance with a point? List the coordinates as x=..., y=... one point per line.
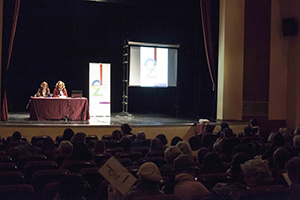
x=99, y=89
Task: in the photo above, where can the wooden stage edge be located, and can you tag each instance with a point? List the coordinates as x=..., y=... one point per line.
x=184, y=130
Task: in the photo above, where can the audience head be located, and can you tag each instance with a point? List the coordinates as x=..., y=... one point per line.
x=184, y=147
x=296, y=141
x=163, y=138
x=99, y=146
x=140, y=135
x=175, y=140
x=208, y=128
x=278, y=140
x=71, y=187
x=236, y=174
x=256, y=173
x=297, y=131
x=263, y=135
x=48, y=143
x=65, y=147
x=293, y=167
x=78, y=137
x=281, y=156
x=212, y=163
x=116, y=135
x=271, y=136
x=171, y=153
x=149, y=172
x=288, y=137
x=195, y=142
x=226, y=133
x=81, y=152
x=202, y=152
x=253, y=123
x=224, y=125
x=126, y=143
x=185, y=164
x=125, y=129
x=16, y=136
x=156, y=145
x=68, y=134
x=247, y=131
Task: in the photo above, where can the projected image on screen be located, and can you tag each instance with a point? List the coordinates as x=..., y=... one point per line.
x=154, y=67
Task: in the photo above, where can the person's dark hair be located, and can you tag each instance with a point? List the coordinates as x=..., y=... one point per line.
x=212, y=163
x=253, y=122
x=209, y=128
x=71, y=187
x=195, y=142
x=81, y=152
x=278, y=139
x=125, y=128
x=68, y=134
x=281, y=156
x=293, y=168
x=175, y=140
x=224, y=125
x=126, y=143
x=163, y=138
x=140, y=135
x=116, y=135
x=99, y=146
x=202, y=152
x=235, y=166
x=16, y=136
x=247, y=131
x=227, y=132
x=78, y=137
x=156, y=145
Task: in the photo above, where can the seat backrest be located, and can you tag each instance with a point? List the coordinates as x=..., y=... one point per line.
x=33, y=166
x=106, y=137
x=50, y=191
x=211, y=179
x=13, y=177
x=144, y=150
x=159, y=161
x=5, y=167
x=91, y=137
x=272, y=192
x=41, y=178
x=59, y=158
x=99, y=158
x=36, y=139
x=74, y=166
x=17, y=191
x=133, y=156
x=113, y=151
x=23, y=159
x=159, y=197
x=5, y=158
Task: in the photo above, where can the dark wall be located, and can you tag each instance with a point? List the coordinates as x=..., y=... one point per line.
x=56, y=40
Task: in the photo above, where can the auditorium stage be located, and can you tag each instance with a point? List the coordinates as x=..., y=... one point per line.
x=151, y=124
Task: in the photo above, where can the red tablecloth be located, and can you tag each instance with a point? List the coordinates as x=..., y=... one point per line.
x=43, y=108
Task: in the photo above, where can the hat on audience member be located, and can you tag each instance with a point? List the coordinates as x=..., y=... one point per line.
x=150, y=172
x=183, y=162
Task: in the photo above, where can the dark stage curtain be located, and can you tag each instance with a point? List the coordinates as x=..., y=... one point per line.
x=4, y=108
x=206, y=12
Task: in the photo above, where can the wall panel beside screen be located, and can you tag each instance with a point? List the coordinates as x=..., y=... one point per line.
x=153, y=65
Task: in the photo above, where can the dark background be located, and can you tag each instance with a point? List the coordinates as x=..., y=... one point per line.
x=57, y=39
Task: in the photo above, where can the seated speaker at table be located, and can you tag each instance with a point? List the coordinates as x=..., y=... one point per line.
x=43, y=91
x=60, y=90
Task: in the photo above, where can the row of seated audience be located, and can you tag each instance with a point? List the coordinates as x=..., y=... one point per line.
x=223, y=165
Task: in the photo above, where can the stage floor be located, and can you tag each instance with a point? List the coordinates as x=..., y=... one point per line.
x=113, y=120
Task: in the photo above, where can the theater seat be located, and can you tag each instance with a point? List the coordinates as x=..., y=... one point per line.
x=26, y=158
x=159, y=161
x=272, y=192
x=159, y=197
x=16, y=192
x=99, y=158
x=41, y=178
x=5, y=158
x=5, y=167
x=211, y=179
x=33, y=166
x=133, y=156
x=144, y=150
x=74, y=166
x=14, y=177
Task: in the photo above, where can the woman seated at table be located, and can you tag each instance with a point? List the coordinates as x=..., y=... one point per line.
x=44, y=90
x=60, y=90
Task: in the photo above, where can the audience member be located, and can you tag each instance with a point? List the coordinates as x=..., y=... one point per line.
x=140, y=140
x=163, y=139
x=156, y=148
x=171, y=153
x=182, y=183
x=296, y=145
x=71, y=187
x=293, y=167
x=212, y=163
x=68, y=134
x=65, y=147
x=256, y=173
x=203, y=151
x=149, y=177
x=280, y=157
x=175, y=140
x=79, y=137
x=126, y=131
x=195, y=143
x=208, y=138
x=99, y=147
x=253, y=124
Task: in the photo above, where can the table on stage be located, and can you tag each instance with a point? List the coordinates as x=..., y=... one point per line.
x=47, y=108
